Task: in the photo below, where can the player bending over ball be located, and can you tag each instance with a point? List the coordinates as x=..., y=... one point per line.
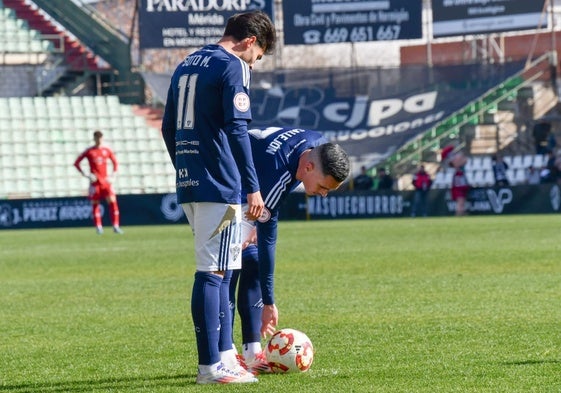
x=284, y=158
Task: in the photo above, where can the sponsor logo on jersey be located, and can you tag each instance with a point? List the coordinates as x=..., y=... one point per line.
x=241, y=102
x=265, y=216
x=182, y=173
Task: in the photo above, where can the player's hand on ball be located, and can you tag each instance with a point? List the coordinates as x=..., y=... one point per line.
x=269, y=320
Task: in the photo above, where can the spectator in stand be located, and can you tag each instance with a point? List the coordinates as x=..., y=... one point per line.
x=540, y=133
x=499, y=171
x=100, y=184
x=556, y=168
x=545, y=176
x=550, y=173
x=460, y=189
x=551, y=142
x=532, y=175
x=460, y=186
x=422, y=183
x=384, y=180
x=363, y=181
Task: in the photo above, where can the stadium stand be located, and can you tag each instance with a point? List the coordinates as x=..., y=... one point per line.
x=42, y=136
x=16, y=37
x=479, y=170
x=53, y=37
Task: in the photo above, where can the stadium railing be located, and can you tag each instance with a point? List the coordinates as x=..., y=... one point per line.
x=450, y=129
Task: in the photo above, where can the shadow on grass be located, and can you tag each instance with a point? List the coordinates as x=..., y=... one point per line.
x=531, y=362
x=154, y=382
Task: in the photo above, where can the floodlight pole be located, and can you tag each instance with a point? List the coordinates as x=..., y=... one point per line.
x=552, y=13
x=553, y=56
x=428, y=30
x=278, y=59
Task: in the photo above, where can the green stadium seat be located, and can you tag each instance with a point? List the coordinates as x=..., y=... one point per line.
x=5, y=128
x=36, y=46
x=139, y=121
x=8, y=13
x=4, y=112
x=48, y=46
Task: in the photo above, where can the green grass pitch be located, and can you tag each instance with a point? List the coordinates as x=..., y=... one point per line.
x=470, y=304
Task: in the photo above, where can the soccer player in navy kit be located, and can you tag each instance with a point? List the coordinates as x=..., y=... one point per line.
x=205, y=132
x=284, y=158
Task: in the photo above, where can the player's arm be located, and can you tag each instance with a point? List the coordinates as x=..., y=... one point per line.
x=115, y=163
x=237, y=115
x=78, y=161
x=90, y=177
x=238, y=139
x=266, y=246
x=169, y=125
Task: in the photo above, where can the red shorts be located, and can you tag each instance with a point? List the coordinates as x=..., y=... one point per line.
x=459, y=192
x=99, y=191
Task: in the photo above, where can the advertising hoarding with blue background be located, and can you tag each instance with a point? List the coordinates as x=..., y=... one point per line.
x=453, y=17
x=338, y=21
x=184, y=24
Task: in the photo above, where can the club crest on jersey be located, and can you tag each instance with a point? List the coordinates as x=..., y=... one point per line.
x=236, y=252
x=265, y=216
x=241, y=102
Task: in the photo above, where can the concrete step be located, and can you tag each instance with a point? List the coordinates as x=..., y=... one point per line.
x=498, y=116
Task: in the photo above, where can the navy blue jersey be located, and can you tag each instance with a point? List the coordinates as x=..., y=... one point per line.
x=205, y=127
x=276, y=152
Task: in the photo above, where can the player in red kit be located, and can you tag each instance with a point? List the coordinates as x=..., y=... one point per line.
x=100, y=186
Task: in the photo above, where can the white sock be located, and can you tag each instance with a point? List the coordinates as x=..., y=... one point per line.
x=251, y=349
x=229, y=358
x=206, y=368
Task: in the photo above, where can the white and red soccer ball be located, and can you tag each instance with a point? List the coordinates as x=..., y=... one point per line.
x=289, y=350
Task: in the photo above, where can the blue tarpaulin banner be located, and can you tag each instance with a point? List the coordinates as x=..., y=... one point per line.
x=371, y=113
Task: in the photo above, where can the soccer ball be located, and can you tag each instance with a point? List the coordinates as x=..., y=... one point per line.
x=289, y=350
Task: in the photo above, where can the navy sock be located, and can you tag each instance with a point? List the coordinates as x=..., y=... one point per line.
x=225, y=341
x=205, y=309
x=250, y=302
x=233, y=287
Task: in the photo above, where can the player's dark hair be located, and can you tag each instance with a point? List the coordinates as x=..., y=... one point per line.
x=254, y=23
x=334, y=161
